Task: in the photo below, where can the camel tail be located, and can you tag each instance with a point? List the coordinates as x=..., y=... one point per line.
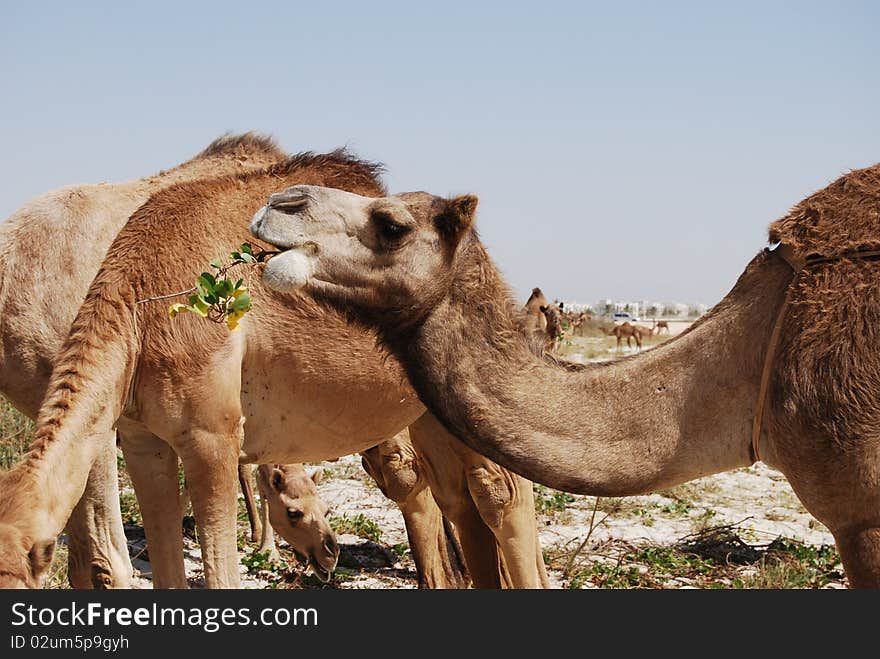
x=93, y=372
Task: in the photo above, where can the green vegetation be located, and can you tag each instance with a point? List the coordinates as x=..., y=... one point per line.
x=358, y=525
x=715, y=558
x=548, y=502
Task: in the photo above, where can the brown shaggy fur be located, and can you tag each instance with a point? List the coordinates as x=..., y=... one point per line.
x=230, y=144
x=827, y=368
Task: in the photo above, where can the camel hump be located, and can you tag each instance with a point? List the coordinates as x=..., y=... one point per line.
x=843, y=216
x=249, y=142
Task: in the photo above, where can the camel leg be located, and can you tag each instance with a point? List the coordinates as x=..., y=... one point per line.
x=210, y=461
x=860, y=551
x=97, y=547
x=246, y=480
x=507, y=506
x=152, y=465
x=435, y=548
x=446, y=468
x=267, y=533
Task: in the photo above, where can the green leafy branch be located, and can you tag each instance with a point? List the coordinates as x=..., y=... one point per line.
x=215, y=296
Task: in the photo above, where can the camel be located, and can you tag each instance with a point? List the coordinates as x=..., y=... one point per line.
x=797, y=330
x=291, y=505
x=576, y=322
x=542, y=321
x=298, y=392
x=659, y=326
x=641, y=333
x=553, y=317
x=32, y=330
x=624, y=330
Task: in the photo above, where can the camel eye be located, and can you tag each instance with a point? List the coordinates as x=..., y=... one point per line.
x=389, y=230
x=294, y=515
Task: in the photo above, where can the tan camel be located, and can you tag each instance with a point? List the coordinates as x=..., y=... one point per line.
x=292, y=507
x=642, y=333
x=576, y=322
x=659, y=326
x=37, y=242
x=697, y=394
x=32, y=329
x=170, y=397
x=624, y=331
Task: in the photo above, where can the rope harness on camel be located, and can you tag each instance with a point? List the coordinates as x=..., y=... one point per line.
x=797, y=263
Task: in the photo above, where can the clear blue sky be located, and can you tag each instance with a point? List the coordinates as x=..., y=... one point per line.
x=623, y=149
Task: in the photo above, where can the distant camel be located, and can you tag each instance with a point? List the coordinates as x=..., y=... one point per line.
x=576, y=321
x=553, y=317
x=625, y=330
x=660, y=325
x=642, y=332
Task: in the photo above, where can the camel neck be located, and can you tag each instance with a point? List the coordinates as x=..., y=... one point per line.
x=678, y=412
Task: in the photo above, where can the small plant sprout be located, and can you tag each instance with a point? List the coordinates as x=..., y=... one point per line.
x=219, y=298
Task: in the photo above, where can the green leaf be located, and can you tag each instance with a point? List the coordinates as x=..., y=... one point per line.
x=215, y=264
x=235, y=256
x=248, y=258
x=242, y=302
x=193, y=299
x=208, y=280
x=246, y=249
x=200, y=308
x=238, y=284
x=223, y=288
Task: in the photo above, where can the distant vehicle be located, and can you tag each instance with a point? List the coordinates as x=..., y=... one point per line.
x=623, y=317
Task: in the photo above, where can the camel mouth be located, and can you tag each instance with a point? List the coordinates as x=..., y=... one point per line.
x=323, y=574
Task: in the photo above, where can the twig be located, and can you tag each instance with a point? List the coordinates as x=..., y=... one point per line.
x=165, y=297
x=567, y=571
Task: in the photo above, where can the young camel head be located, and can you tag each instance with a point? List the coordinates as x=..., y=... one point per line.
x=23, y=563
x=299, y=515
x=385, y=256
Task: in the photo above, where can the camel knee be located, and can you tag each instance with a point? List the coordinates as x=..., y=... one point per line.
x=493, y=493
x=395, y=470
x=860, y=552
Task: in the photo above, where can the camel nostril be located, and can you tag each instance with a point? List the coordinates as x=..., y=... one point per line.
x=288, y=204
x=331, y=546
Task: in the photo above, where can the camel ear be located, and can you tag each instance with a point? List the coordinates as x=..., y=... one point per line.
x=318, y=476
x=277, y=480
x=40, y=557
x=458, y=217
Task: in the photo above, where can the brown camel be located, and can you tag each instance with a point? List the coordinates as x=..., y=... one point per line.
x=624, y=331
x=128, y=364
x=576, y=322
x=697, y=394
x=542, y=322
x=553, y=316
x=33, y=326
x=641, y=333
x=659, y=326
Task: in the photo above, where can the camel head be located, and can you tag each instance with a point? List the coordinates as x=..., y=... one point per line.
x=23, y=563
x=554, y=320
x=299, y=515
x=378, y=254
